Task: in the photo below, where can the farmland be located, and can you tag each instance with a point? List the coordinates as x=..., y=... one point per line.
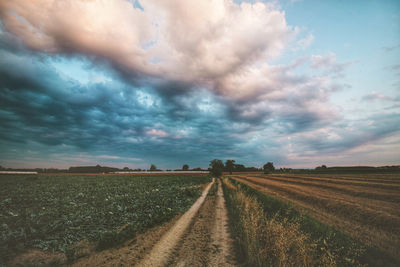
x=268, y=220
x=366, y=207
x=54, y=212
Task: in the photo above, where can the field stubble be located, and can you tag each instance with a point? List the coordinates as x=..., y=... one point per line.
x=360, y=206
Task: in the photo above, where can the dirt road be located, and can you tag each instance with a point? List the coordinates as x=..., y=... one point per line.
x=199, y=238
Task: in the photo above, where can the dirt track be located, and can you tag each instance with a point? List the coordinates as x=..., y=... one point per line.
x=208, y=242
x=199, y=238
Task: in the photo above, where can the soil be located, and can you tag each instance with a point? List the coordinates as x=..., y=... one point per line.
x=208, y=242
x=132, y=252
x=161, y=252
x=200, y=237
x=36, y=257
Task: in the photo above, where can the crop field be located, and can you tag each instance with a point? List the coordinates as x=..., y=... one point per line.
x=367, y=207
x=54, y=212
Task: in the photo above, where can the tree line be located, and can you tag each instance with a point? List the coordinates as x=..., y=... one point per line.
x=217, y=167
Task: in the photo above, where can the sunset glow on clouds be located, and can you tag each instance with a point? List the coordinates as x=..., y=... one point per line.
x=173, y=82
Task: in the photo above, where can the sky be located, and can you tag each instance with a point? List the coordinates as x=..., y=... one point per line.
x=131, y=83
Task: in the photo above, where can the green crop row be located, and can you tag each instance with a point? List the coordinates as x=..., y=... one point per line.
x=54, y=212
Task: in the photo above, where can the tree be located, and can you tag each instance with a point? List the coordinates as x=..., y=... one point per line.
x=217, y=167
x=229, y=165
x=240, y=167
x=153, y=167
x=185, y=167
x=268, y=167
x=322, y=167
x=126, y=169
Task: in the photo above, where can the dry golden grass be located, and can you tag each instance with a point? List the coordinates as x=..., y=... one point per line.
x=267, y=241
x=361, y=206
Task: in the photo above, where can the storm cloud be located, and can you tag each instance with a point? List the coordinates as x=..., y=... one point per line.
x=174, y=82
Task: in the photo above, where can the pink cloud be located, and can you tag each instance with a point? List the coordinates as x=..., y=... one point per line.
x=157, y=133
x=372, y=96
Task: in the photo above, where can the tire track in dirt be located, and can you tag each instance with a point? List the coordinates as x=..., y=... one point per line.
x=162, y=251
x=222, y=239
x=208, y=242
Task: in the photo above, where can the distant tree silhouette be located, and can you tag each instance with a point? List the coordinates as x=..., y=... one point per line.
x=229, y=165
x=322, y=167
x=153, y=167
x=268, y=167
x=217, y=167
x=240, y=167
x=185, y=167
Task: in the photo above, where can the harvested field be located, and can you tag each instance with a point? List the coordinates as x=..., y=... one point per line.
x=366, y=207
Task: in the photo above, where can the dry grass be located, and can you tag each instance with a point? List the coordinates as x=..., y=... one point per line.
x=360, y=206
x=267, y=241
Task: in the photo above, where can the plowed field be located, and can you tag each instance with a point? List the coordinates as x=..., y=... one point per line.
x=365, y=206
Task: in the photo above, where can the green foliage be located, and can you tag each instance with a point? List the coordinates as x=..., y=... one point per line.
x=108, y=239
x=55, y=212
x=70, y=253
x=153, y=167
x=268, y=167
x=229, y=165
x=217, y=167
x=185, y=167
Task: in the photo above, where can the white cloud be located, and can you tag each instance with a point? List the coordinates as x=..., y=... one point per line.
x=330, y=63
x=305, y=42
x=321, y=62
x=107, y=157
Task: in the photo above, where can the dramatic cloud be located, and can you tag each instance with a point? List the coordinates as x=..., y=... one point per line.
x=218, y=45
x=169, y=82
x=177, y=40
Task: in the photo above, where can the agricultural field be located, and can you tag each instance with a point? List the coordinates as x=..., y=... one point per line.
x=366, y=207
x=55, y=212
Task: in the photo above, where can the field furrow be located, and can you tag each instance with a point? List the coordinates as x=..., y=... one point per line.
x=353, y=190
x=394, y=187
x=368, y=212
